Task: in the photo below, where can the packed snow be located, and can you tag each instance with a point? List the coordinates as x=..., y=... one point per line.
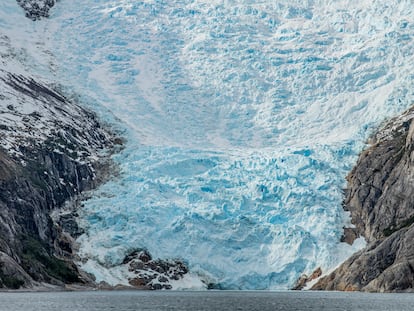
x=242, y=120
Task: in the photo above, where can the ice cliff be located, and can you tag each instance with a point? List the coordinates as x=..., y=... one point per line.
x=240, y=119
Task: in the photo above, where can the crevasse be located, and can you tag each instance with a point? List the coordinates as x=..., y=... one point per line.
x=242, y=120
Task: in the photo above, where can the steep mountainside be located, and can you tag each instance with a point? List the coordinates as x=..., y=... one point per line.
x=51, y=150
x=380, y=197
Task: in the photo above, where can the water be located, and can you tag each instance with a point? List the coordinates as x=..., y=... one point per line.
x=193, y=301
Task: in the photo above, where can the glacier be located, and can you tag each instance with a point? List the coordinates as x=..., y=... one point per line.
x=242, y=119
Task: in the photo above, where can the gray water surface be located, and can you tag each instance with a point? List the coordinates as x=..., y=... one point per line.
x=211, y=300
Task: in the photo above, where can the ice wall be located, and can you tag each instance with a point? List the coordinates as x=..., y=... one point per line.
x=242, y=119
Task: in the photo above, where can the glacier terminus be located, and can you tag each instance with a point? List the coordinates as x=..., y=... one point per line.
x=241, y=120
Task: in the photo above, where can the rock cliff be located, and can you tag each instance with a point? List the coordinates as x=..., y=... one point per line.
x=51, y=151
x=380, y=197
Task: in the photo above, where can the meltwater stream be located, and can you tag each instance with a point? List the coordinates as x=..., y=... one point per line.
x=242, y=119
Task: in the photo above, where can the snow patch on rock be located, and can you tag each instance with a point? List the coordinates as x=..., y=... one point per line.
x=36, y=9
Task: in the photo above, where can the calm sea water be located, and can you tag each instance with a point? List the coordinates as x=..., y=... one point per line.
x=212, y=300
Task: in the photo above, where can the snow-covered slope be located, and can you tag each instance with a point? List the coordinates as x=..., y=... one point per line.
x=242, y=119
x=32, y=108
x=51, y=150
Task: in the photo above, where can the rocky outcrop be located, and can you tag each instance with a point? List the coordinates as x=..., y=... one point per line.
x=380, y=197
x=36, y=9
x=52, y=150
x=149, y=273
x=303, y=281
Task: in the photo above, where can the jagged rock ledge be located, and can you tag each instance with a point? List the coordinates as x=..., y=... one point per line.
x=152, y=274
x=304, y=279
x=380, y=197
x=52, y=150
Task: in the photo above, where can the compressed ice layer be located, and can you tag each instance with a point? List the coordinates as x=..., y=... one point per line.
x=242, y=120
x=252, y=221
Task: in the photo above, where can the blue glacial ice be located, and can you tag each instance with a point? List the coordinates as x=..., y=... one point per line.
x=242, y=119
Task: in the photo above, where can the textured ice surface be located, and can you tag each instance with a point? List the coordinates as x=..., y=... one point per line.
x=242, y=119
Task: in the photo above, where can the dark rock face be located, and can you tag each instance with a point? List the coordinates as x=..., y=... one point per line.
x=380, y=197
x=304, y=279
x=153, y=274
x=40, y=172
x=380, y=186
x=36, y=9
